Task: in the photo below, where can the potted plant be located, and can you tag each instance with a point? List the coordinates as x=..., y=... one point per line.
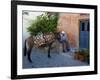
x=82, y=55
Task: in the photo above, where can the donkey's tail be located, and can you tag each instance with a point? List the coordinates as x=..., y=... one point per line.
x=25, y=49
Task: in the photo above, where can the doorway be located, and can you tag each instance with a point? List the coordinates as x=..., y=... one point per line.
x=84, y=34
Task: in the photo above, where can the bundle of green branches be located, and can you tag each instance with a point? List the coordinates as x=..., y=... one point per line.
x=44, y=24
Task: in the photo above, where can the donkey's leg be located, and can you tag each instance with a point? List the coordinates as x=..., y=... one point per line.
x=49, y=56
x=29, y=55
x=25, y=49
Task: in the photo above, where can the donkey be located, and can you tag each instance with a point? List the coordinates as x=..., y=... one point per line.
x=42, y=41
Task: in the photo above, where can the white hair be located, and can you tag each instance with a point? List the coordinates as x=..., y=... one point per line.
x=63, y=32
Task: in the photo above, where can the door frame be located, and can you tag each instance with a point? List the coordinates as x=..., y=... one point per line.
x=80, y=31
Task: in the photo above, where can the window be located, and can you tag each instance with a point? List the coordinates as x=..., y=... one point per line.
x=88, y=26
x=85, y=25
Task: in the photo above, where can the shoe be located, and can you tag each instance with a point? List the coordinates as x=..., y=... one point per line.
x=64, y=51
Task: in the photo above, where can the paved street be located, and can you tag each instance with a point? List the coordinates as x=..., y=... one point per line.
x=40, y=59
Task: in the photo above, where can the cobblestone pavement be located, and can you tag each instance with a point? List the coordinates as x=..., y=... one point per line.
x=40, y=59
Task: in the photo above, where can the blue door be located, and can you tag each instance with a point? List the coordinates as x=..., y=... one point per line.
x=84, y=34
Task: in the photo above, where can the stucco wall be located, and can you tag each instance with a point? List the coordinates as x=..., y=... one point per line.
x=69, y=23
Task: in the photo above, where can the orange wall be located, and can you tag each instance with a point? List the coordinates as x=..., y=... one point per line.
x=69, y=23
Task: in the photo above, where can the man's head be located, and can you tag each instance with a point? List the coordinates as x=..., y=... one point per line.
x=63, y=33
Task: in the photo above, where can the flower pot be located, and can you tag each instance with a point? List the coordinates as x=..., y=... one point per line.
x=81, y=57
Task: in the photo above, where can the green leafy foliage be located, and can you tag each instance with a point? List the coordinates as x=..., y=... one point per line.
x=44, y=23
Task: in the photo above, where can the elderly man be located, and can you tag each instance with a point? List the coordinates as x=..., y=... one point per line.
x=64, y=41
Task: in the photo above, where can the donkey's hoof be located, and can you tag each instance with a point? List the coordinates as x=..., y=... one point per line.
x=49, y=56
x=30, y=61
